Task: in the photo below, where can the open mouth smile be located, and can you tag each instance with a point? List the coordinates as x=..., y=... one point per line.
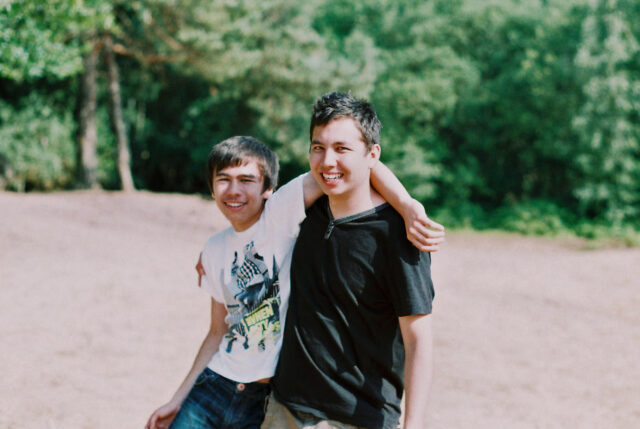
x=233, y=205
x=331, y=177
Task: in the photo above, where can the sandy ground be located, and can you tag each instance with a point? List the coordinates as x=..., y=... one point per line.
x=100, y=318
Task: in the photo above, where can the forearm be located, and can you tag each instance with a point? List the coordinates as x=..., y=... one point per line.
x=391, y=189
x=418, y=345
x=205, y=353
x=209, y=346
x=418, y=373
x=424, y=233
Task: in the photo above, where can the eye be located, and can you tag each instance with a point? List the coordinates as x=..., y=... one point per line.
x=343, y=149
x=318, y=146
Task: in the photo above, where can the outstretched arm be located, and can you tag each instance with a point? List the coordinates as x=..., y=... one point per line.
x=418, y=346
x=422, y=232
x=163, y=416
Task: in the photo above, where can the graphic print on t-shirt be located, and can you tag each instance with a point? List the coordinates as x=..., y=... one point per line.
x=255, y=319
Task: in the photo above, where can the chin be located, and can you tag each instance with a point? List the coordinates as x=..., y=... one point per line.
x=330, y=190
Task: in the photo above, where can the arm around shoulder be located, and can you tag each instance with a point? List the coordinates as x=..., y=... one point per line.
x=311, y=190
x=422, y=232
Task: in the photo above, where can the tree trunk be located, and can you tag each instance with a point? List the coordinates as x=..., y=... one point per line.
x=117, y=119
x=87, y=138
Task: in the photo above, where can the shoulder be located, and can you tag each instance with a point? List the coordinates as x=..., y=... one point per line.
x=217, y=240
x=396, y=235
x=389, y=214
x=390, y=222
x=319, y=210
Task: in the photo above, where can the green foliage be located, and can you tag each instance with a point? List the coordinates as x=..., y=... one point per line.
x=36, y=145
x=265, y=56
x=35, y=42
x=497, y=114
x=607, y=123
x=535, y=217
x=606, y=234
x=464, y=215
x=511, y=132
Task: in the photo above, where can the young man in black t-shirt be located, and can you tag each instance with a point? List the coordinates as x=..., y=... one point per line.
x=358, y=329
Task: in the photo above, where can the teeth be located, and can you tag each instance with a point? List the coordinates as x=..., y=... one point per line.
x=234, y=205
x=332, y=176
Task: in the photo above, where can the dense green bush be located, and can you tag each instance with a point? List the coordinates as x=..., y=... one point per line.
x=617, y=235
x=37, y=150
x=536, y=217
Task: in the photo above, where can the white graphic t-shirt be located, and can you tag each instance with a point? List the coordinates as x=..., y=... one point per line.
x=249, y=272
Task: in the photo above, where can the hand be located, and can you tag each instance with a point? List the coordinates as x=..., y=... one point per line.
x=163, y=416
x=200, y=270
x=422, y=232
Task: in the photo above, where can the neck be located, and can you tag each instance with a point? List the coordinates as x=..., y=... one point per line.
x=354, y=202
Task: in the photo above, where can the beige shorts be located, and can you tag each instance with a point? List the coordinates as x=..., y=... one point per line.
x=279, y=417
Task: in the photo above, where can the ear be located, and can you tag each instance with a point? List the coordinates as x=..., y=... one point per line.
x=266, y=194
x=374, y=155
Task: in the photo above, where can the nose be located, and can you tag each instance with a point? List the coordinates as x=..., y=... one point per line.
x=233, y=188
x=329, y=159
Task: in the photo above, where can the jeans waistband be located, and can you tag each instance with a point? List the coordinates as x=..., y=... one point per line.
x=253, y=386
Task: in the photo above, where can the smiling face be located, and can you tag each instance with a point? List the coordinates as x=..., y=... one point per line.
x=239, y=194
x=340, y=161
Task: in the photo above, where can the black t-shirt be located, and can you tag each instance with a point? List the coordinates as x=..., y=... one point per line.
x=342, y=356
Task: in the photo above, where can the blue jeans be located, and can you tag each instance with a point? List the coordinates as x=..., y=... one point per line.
x=217, y=402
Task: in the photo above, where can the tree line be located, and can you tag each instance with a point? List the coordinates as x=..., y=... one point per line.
x=496, y=113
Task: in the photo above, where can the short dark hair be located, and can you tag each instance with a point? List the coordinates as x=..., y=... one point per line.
x=337, y=105
x=239, y=150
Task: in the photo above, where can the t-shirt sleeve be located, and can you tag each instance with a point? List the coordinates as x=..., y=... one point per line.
x=284, y=210
x=409, y=279
x=211, y=281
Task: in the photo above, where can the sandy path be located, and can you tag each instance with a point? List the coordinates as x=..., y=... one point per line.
x=100, y=318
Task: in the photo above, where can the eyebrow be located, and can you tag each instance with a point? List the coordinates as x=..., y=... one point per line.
x=339, y=142
x=241, y=176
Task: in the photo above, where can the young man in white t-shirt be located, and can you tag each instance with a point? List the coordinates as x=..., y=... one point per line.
x=247, y=274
